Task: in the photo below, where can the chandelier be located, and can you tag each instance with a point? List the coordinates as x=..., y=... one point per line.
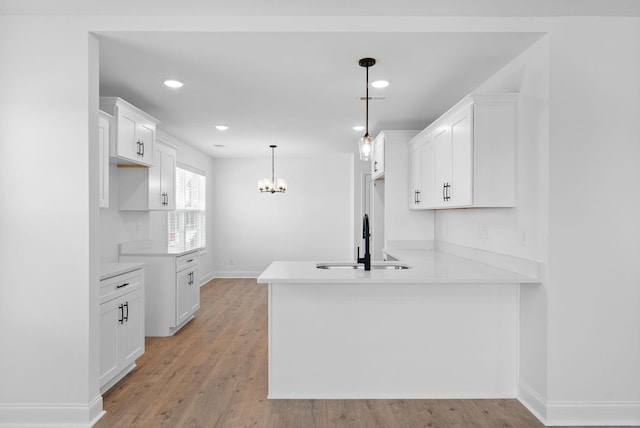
x=269, y=185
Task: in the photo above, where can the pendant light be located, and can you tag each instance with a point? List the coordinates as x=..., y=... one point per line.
x=269, y=185
x=366, y=142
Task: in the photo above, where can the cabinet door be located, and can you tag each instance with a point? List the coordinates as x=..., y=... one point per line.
x=462, y=159
x=110, y=316
x=427, y=174
x=183, y=288
x=126, y=143
x=103, y=150
x=168, y=178
x=377, y=165
x=194, y=292
x=415, y=189
x=145, y=134
x=442, y=166
x=156, y=198
x=132, y=328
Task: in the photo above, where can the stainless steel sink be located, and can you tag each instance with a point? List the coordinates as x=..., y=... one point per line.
x=379, y=265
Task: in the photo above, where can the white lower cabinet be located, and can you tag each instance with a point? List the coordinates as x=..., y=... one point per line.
x=187, y=294
x=172, y=293
x=121, y=325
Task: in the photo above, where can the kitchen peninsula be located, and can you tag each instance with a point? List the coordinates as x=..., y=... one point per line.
x=445, y=328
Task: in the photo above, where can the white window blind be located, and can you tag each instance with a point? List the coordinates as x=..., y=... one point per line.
x=187, y=224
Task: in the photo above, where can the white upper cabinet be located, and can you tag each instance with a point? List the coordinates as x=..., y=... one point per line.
x=152, y=188
x=104, y=127
x=377, y=160
x=468, y=155
x=134, y=135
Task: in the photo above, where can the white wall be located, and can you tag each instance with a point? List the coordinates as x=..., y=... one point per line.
x=527, y=74
x=577, y=204
x=311, y=221
x=48, y=223
x=594, y=228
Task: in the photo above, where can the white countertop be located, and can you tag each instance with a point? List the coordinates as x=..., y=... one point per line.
x=149, y=248
x=428, y=266
x=109, y=270
x=156, y=252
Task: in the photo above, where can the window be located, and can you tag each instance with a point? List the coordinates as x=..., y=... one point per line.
x=187, y=224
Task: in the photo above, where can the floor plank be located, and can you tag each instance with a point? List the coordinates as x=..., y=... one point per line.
x=213, y=373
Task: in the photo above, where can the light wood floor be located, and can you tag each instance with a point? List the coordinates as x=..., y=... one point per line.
x=213, y=373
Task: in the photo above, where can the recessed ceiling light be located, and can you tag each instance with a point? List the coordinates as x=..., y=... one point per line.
x=173, y=83
x=222, y=127
x=358, y=128
x=380, y=84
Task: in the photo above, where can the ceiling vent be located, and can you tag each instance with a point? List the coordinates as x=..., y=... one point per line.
x=373, y=98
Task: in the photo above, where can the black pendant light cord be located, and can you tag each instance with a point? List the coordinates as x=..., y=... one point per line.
x=366, y=63
x=366, y=131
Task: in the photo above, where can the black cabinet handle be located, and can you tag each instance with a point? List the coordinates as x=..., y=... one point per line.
x=417, y=197
x=375, y=166
x=142, y=144
x=122, y=285
x=126, y=317
x=446, y=192
x=121, y=318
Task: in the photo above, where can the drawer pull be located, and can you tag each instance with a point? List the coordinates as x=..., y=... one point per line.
x=122, y=285
x=190, y=260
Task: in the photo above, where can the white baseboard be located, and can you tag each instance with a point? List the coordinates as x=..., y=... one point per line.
x=583, y=413
x=533, y=401
x=51, y=415
x=236, y=274
x=206, y=278
x=593, y=413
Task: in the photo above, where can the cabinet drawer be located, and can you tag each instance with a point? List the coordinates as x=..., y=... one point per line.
x=186, y=261
x=116, y=286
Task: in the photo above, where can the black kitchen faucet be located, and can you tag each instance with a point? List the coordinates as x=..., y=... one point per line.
x=365, y=235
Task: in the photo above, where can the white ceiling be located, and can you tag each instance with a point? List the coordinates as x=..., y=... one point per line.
x=300, y=91
x=324, y=7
